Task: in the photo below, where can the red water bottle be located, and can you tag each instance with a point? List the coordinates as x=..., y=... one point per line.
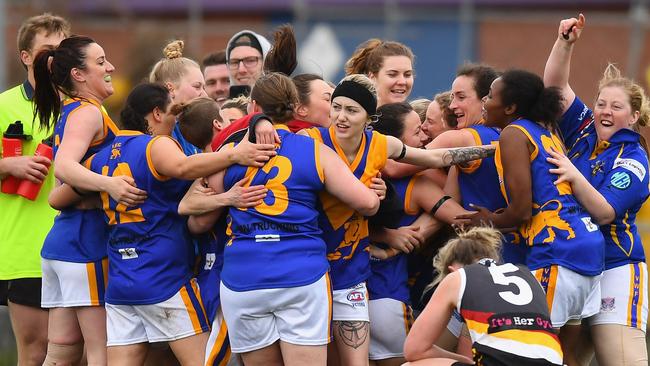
x=12, y=145
x=27, y=188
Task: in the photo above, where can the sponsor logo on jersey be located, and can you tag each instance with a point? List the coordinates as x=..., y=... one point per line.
x=128, y=253
x=267, y=237
x=591, y=227
x=210, y=258
x=631, y=165
x=620, y=180
x=355, y=296
x=115, y=150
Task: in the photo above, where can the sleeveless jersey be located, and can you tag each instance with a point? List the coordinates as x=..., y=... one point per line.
x=346, y=231
x=150, y=253
x=278, y=243
x=79, y=235
x=618, y=170
x=479, y=184
x=210, y=264
x=560, y=231
x=506, y=313
x=389, y=278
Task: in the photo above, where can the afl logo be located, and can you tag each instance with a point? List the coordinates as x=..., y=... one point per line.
x=355, y=296
x=620, y=180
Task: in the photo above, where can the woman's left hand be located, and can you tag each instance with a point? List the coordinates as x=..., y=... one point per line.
x=566, y=171
x=481, y=217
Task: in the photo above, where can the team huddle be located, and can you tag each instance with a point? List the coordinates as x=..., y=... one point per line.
x=289, y=221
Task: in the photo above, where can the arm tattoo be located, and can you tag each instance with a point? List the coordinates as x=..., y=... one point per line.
x=465, y=154
x=352, y=333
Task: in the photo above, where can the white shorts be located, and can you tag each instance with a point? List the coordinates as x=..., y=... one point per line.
x=390, y=322
x=70, y=284
x=297, y=315
x=217, y=352
x=624, y=296
x=570, y=296
x=178, y=317
x=351, y=304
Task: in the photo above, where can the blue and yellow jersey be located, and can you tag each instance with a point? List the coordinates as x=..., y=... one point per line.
x=346, y=231
x=149, y=249
x=389, y=278
x=618, y=169
x=560, y=231
x=72, y=105
x=210, y=263
x=78, y=235
x=479, y=181
x=279, y=239
x=479, y=184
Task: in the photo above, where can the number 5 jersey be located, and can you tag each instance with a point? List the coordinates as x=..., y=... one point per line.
x=505, y=310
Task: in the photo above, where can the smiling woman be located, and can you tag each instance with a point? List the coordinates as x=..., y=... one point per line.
x=607, y=171
x=555, y=228
x=388, y=64
x=74, y=252
x=365, y=152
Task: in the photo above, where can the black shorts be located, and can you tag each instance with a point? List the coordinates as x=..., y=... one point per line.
x=23, y=291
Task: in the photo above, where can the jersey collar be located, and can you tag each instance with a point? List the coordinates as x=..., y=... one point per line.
x=28, y=90
x=624, y=135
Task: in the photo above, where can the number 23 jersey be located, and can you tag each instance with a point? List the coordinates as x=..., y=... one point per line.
x=277, y=244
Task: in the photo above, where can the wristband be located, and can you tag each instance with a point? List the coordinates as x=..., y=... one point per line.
x=402, y=154
x=435, y=207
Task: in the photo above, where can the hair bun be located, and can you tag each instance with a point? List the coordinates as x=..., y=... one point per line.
x=174, y=49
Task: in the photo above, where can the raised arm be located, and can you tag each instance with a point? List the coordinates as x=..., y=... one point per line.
x=558, y=65
x=341, y=183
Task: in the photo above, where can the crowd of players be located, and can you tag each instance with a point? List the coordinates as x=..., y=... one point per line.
x=236, y=214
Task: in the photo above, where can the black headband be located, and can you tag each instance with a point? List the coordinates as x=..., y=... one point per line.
x=358, y=93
